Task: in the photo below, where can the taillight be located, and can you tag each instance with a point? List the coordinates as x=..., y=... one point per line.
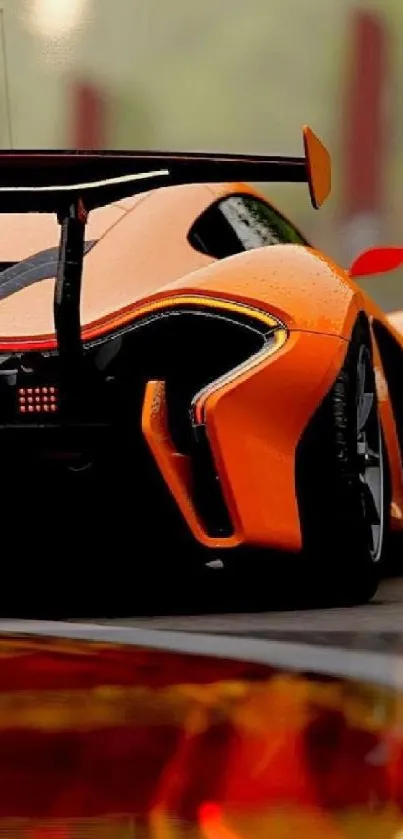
x=38, y=400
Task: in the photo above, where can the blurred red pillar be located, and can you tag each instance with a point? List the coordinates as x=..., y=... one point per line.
x=89, y=116
x=365, y=133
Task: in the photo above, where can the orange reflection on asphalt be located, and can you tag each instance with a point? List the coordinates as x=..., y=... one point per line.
x=102, y=742
x=211, y=820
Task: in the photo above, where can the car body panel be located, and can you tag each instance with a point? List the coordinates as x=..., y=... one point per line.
x=290, y=281
x=22, y=235
x=108, y=285
x=109, y=288
x=396, y=320
x=143, y=264
x=254, y=435
x=176, y=467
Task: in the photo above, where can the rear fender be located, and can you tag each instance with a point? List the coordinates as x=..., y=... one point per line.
x=296, y=284
x=254, y=424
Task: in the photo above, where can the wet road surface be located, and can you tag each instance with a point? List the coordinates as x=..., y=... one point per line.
x=383, y=615
x=377, y=626
x=211, y=603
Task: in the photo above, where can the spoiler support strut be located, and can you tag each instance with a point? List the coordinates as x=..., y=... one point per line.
x=72, y=219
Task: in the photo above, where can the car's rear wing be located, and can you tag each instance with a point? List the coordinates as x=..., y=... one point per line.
x=72, y=183
x=48, y=181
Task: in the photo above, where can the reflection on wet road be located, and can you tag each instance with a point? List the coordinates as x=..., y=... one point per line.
x=98, y=740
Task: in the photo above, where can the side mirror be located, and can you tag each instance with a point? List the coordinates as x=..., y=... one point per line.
x=377, y=261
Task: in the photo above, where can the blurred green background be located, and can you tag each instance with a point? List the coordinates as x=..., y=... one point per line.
x=216, y=75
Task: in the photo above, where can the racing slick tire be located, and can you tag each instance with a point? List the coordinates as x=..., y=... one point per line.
x=343, y=484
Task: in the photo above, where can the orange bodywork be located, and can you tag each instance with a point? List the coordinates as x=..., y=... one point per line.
x=396, y=319
x=254, y=438
x=143, y=263
x=175, y=467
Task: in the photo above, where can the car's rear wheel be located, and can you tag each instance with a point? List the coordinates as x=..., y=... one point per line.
x=342, y=480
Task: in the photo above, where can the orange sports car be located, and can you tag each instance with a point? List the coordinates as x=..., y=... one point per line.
x=184, y=376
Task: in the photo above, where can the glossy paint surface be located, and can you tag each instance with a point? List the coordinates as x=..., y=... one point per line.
x=175, y=467
x=101, y=740
x=254, y=434
x=396, y=319
x=143, y=253
x=144, y=262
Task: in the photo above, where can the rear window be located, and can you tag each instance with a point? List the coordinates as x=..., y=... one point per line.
x=240, y=223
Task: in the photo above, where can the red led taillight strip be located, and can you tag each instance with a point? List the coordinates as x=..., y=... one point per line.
x=37, y=400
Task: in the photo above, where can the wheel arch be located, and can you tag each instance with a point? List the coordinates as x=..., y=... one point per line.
x=327, y=479
x=384, y=349
x=293, y=282
x=391, y=356
x=389, y=360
